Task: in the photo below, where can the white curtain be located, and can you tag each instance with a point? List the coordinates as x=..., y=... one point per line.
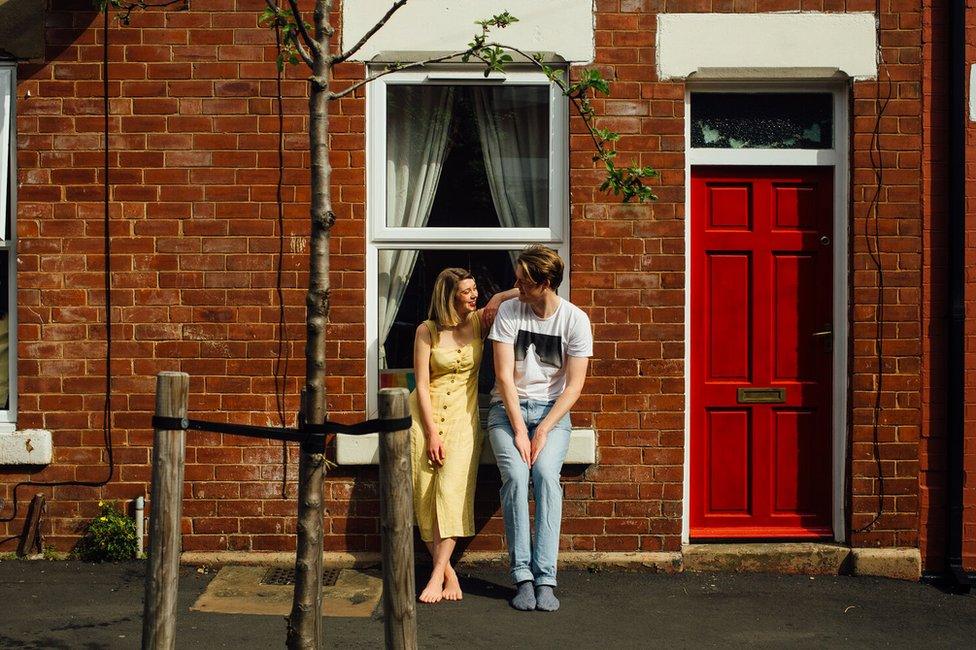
x=514, y=133
x=418, y=122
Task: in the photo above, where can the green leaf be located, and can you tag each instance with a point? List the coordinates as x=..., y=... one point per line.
x=268, y=17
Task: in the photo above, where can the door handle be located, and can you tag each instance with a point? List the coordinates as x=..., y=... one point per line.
x=827, y=334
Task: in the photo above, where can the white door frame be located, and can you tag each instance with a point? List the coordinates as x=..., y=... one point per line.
x=838, y=159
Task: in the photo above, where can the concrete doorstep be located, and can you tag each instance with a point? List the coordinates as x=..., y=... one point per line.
x=787, y=558
x=804, y=558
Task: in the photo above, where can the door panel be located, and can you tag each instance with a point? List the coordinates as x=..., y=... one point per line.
x=794, y=319
x=761, y=308
x=800, y=462
x=731, y=206
x=729, y=461
x=728, y=316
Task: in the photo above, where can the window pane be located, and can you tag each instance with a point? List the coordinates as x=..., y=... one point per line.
x=4, y=331
x=467, y=155
x=6, y=126
x=762, y=120
x=403, y=302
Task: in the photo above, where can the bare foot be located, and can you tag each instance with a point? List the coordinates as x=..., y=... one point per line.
x=433, y=592
x=452, y=588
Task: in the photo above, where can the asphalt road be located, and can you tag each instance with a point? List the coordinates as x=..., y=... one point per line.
x=75, y=605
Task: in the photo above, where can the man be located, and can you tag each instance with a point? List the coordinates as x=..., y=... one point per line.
x=541, y=348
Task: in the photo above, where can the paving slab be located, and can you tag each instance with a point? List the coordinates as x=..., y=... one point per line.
x=76, y=605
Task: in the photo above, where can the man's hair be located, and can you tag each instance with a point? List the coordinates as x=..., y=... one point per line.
x=540, y=264
x=442, y=310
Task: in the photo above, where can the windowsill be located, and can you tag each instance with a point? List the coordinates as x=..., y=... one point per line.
x=364, y=450
x=27, y=447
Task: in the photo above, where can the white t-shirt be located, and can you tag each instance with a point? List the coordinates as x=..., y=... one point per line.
x=541, y=346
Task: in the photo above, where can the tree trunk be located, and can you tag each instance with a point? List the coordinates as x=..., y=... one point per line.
x=305, y=620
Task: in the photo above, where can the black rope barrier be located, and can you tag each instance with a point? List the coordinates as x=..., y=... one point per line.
x=311, y=435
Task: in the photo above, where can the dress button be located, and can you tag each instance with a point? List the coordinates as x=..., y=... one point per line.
x=442, y=419
x=445, y=406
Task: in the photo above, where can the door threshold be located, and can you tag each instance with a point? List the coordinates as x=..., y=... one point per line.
x=762, y=535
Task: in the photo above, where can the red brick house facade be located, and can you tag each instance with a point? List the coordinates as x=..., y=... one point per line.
x=196, y=227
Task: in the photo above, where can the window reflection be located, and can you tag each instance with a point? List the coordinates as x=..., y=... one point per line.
x=487, y=143
x=762, y=120
x=493, y=272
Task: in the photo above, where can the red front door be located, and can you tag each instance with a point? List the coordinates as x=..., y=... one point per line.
x=761, y=336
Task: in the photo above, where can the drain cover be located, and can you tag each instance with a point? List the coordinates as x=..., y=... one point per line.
x=286, y=576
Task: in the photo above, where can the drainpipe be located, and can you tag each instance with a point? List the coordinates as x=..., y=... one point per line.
x=955, y=363
x=140, y=525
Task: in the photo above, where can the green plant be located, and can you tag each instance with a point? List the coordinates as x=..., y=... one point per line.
x=50, y=553
x=109, y=537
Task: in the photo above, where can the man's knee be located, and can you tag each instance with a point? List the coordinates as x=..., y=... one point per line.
x=547, y=475
x=514, y=472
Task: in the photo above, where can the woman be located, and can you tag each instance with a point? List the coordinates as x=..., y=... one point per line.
x=446, y=435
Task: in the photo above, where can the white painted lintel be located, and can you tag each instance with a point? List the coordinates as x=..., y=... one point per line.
x=793, y=45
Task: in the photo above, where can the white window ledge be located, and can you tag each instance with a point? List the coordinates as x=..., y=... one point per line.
x=364, y=450
x=27, y=447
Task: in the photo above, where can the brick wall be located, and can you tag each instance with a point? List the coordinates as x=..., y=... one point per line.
x=969, y=479
x=897, y=224
x=194, y=223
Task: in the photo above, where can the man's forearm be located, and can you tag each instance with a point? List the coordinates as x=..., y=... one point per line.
x=510, y=401
x=561, y=407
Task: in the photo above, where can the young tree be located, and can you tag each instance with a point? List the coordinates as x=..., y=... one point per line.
x=315, y=45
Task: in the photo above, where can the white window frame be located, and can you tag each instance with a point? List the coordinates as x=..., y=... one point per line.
x=8, y=240
x=836, y=157
x=380, y=236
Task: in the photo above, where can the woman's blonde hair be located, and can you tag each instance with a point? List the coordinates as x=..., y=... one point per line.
x=540, y=263
x=442, y=310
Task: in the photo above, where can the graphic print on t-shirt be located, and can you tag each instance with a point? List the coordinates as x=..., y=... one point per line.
x=548, y=348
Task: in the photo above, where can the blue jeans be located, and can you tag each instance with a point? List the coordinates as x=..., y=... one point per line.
x=531, y=558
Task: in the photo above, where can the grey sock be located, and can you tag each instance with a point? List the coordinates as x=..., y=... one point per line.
x=545, y=600
x=524, y=597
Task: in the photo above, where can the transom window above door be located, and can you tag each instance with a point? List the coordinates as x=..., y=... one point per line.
x=762, y=120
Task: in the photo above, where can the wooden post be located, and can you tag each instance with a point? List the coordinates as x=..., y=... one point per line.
x=396, y=525
x=31, y=544
x=163, y=569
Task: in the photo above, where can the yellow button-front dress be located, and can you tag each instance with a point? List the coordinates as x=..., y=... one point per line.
x=447, y=491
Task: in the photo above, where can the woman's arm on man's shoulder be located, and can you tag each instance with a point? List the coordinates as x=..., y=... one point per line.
x=489, y=311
